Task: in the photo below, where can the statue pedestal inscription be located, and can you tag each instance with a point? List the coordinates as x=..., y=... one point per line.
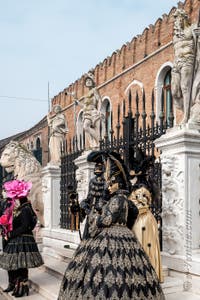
x=180, y=158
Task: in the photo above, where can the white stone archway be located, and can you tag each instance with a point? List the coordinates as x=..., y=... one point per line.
x=134, y=82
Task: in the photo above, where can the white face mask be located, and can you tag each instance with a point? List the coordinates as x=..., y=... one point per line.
x=17, y=203
x=4, y=194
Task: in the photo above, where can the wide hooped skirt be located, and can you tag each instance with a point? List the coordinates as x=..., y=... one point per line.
x=112, y=265
x=21, y=252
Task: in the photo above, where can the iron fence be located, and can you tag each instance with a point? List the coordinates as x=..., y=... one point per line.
x=135, y=129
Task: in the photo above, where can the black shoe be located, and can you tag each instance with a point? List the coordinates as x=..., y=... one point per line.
x=10, y=288
x=16, y=288
x=23, y=289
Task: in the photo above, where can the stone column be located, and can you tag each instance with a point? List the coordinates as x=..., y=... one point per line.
x=84, y=173
x=180, y=159
x=54, y=237
x=51, y=195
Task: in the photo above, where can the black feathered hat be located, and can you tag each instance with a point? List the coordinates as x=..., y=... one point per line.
x=139, y=162
x=116, y=171
x=97, y=157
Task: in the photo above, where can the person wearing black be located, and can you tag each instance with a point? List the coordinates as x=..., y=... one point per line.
x=20, y=251
x=4, y=204
x=112, y=264
x=96, y=197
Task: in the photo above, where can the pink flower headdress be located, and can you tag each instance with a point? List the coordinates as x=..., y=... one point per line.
x=15, y=189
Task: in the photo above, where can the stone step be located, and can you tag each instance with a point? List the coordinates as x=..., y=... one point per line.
x=44, y=283
x=192, y=278
x=54, y=266
x=55, y=262
x=60, y=253
x=165, y=271
x=172, y=285
x=182, y=295
x=33, y=294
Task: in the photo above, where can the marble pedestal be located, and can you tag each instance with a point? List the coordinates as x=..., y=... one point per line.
x=54, y=238
x=180, y=158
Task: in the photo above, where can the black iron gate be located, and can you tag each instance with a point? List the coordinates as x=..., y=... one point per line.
x=68, y=180
x=137, y=130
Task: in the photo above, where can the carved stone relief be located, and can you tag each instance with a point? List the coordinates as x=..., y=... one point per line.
x=173, y=204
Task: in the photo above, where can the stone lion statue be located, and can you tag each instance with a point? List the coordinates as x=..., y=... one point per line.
x=17, y=159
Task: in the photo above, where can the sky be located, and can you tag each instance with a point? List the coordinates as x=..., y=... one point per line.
x=48, y=43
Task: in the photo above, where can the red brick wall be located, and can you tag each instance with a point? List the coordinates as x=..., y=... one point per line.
x=137, y=54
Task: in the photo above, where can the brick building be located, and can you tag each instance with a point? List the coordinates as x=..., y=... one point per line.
x=143, y=63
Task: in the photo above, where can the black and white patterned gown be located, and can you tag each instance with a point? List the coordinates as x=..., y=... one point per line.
x=111, y=265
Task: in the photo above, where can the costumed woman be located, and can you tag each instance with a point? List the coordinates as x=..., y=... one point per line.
x=21, y=251
x=112, y=264
x=146, y=226
x=96, y=197
x=6, y=205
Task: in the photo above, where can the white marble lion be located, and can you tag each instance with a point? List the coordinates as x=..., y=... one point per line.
x=18, y=159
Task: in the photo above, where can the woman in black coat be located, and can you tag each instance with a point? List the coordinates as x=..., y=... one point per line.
x=5, y=203
x=20, y=252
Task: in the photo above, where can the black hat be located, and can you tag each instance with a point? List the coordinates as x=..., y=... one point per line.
x=116, y=170
x=96, y=157
x=139, y=162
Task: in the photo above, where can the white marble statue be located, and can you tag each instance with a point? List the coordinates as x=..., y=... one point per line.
x=195, y=109
x=186, y=69
x=92, y=114
x=183, y=67
x=18, y=159
x=58, y=128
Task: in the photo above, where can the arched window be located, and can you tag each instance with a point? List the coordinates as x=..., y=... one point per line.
x=163, y=83
x=79, y=128
x=106, y=110
x=108, y=117
x=37, y=152
x=168, y=105
x=38, y=143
